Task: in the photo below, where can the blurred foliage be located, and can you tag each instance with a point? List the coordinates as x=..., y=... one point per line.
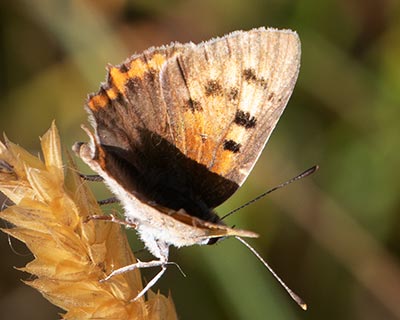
x=333, y=237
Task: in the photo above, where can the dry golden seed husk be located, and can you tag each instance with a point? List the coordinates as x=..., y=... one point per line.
x=51, y=204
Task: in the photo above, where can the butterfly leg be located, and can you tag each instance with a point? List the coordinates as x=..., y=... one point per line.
x=161, y=252
x=140, y=264
x=151, y=283
x=91, y=177
x=98, y=178
x=108, y=201
x=112, y=218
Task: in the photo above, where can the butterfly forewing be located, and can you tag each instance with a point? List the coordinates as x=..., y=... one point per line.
x=235, y=89
x=188, y=122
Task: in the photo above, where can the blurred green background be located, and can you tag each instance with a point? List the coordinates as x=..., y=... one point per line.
x=334, y=237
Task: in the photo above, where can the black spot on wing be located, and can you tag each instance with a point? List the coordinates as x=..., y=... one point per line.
x=232, y=146
x=250, y=76
x=244, y=119
x=213, y=88
x=233, y=94
x=123, y=68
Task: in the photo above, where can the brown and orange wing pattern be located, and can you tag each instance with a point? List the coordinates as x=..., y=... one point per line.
x=188, y=122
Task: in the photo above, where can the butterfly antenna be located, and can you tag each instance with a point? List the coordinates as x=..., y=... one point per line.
x=293, y=295
x=298, y=177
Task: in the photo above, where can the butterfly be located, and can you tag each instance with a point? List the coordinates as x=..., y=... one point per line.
x=178, y=129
